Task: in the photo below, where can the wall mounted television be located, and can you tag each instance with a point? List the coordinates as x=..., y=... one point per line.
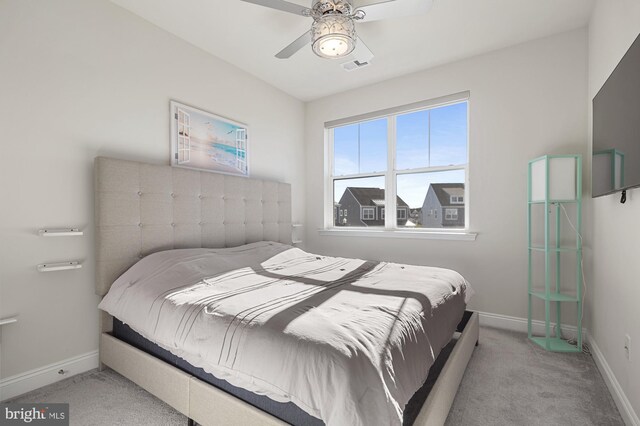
x=615, y=163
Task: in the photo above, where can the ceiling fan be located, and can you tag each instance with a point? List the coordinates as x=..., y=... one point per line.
x=333, y=31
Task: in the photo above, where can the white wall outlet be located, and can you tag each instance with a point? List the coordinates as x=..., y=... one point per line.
x=627, y=346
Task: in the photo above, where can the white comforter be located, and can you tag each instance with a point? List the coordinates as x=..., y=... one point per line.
x=346, y=340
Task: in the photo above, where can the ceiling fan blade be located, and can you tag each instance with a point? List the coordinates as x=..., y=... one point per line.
x=376, y=11
x=298, y=44
x=361, y=57
x=362, y=53
x=285, y=6
x=357, y=4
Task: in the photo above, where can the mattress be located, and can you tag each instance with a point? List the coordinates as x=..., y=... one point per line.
x=347, y=341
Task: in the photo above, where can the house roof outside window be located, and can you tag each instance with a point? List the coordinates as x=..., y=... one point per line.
x=373, y=197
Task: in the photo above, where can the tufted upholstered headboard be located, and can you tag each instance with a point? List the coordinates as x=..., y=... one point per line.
x=143, y=208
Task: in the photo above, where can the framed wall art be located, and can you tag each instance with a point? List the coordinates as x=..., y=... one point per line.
x=205, y=141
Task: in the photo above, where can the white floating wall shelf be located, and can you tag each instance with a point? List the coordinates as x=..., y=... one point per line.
x=61, y=232
x=6, y=321
x=63, y=266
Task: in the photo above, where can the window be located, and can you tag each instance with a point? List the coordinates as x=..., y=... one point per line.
x=368, y=213
x=451, y=214
x=405, y=158
x=341, y=212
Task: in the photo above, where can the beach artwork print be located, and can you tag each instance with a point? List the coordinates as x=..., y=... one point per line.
x=204, y=141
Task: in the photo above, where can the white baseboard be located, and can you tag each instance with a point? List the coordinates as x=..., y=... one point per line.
x=506, y=322
x=622, y=402
x=39, y=377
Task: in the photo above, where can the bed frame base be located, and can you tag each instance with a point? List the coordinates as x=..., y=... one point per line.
x=208, y=405
x=436, y=408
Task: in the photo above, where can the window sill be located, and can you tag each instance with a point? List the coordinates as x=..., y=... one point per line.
x=396, y=233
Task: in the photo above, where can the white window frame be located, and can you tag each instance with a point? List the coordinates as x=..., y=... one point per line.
x=391, y=174
x=382, y=213
x=404, y=210
x=371, y=210
x=457, y=199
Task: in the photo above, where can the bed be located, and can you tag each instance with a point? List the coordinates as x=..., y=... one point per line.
x=200, y=266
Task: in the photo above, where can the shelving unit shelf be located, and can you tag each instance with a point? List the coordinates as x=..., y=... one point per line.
x=555, y=344
x=555, y=181
x=554, y=297
x=535, y=248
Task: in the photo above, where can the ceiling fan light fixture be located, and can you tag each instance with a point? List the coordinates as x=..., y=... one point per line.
x=333, y=36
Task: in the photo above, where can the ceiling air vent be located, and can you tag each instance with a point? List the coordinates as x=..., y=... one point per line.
x=354, y=65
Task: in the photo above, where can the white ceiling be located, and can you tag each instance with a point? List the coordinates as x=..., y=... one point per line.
x=248, y=36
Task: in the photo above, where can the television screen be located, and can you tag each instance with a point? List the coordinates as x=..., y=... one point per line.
x=616, y=128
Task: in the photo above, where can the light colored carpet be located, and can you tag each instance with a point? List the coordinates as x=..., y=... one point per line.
x=509, y=381
x=512, y=381
x=106, y=398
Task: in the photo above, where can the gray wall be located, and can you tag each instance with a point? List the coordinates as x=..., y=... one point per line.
x=614, y=291
x=82, y=78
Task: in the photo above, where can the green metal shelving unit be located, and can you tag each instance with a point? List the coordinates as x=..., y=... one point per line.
x=541, y=191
